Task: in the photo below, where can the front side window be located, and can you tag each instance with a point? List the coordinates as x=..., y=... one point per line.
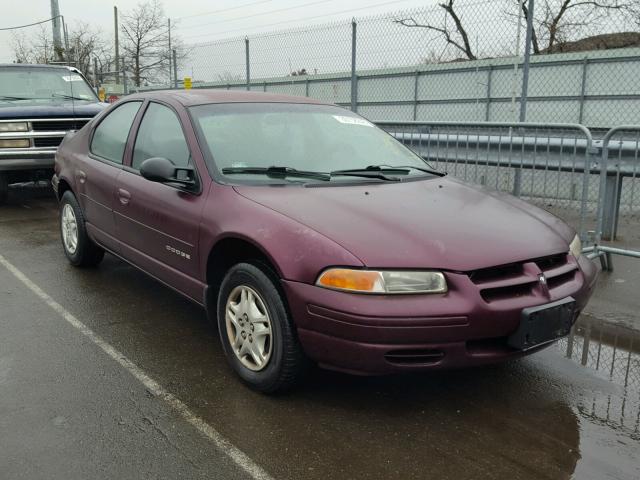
x=110, y=137
x=160, y=135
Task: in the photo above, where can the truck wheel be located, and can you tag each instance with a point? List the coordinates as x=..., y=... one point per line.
x=78, y=247
x=4, y=189
x=256, y=330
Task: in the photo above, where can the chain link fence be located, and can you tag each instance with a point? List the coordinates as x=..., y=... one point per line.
x=458, y=61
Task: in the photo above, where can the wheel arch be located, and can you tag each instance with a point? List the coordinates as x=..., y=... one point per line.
x=229, y=251
x=63, y=186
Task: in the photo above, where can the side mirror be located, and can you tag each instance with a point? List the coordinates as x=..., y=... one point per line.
x=161, y=170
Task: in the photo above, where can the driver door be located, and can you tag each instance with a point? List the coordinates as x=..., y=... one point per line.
x=158, y=224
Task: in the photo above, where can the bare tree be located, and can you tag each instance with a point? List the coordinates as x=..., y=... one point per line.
x=455, y=35
x=85, y=44
x=34, y=48
x=559, y=21
x=145, y=42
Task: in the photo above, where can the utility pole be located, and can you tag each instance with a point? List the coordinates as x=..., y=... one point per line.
x=57, y=37
x=170, y=50
x=246, y=51
x=117, y=56
x=175, y=70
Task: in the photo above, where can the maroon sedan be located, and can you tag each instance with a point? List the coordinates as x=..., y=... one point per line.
x=308, y=233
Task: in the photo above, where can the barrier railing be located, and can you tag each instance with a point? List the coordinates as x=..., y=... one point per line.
x=619, y=193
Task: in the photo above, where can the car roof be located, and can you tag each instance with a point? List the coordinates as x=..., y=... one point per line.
x=203, y=96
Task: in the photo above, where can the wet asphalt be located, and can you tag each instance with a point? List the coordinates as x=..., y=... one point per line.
x=69, y=411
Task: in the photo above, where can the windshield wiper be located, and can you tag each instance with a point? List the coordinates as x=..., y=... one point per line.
x=11, y=97
x=388, y=169
x=66, y=97
x=277, y=172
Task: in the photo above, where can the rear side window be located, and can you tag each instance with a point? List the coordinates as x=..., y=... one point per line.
x=110, y=137
x=160, y=135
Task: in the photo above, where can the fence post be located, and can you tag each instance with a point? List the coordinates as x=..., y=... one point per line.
x=246, y=50
x=175, y=70
x=608, y=194
x=306, y=86
x=591, y=155
x=415, y=95
x=488, y=106
x=583, y=88
x=525, y=66
x=354, y=78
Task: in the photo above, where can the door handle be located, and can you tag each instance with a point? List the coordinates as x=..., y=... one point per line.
x=124, y=196
x=81, y=176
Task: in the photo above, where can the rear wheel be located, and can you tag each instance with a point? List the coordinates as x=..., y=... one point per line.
x=256, y=330
x=78, y=247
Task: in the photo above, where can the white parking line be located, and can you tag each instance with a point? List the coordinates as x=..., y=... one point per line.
x=237, y=455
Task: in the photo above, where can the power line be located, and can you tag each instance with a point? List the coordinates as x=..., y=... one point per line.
x=30, y=24
x=298, y=19
x=309, y=4
x=223, y=9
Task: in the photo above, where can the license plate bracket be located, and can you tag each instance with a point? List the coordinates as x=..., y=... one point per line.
x=543, y=324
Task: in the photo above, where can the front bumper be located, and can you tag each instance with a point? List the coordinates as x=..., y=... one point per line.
x=27, y=159
x=367, y=334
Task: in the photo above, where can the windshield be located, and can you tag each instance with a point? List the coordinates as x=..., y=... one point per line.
x=245, y=137
x=28, y=85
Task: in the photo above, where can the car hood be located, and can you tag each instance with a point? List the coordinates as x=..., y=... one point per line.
x=10, y=110
x=436, y=223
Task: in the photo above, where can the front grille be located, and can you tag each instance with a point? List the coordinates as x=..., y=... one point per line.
x=522, y=279
x=57, y=125
x=47, y=141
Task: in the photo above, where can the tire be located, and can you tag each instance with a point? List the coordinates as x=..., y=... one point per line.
x=284, y=360
x=4, y=189
x=83, y=252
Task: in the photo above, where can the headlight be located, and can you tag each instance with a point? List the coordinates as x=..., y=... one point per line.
x=13, y=127
x=371, y=281
x=575, y=247
x=15, y=143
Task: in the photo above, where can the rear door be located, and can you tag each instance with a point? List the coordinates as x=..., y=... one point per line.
x=96, y=172
x=158, y=224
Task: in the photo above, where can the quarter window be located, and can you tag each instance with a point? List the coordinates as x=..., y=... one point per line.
x=110, y=137
x=160, y=135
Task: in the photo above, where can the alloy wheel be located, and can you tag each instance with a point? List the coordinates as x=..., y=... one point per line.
x=249, y=327
x=69, y=229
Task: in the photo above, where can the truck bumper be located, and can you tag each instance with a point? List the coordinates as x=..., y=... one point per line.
x=27, y=159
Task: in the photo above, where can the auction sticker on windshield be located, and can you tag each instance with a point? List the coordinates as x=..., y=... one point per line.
x=353, y=120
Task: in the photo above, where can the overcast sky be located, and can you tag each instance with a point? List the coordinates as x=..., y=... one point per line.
x=200, y=20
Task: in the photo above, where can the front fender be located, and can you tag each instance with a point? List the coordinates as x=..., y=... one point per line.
x=297, y=252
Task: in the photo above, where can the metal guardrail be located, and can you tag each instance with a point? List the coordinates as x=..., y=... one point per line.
x=559, y=166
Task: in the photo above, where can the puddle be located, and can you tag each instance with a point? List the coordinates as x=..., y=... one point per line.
x=609, y=421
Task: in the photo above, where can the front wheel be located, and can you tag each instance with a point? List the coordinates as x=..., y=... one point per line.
x=256, y=330
x=78, y=247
